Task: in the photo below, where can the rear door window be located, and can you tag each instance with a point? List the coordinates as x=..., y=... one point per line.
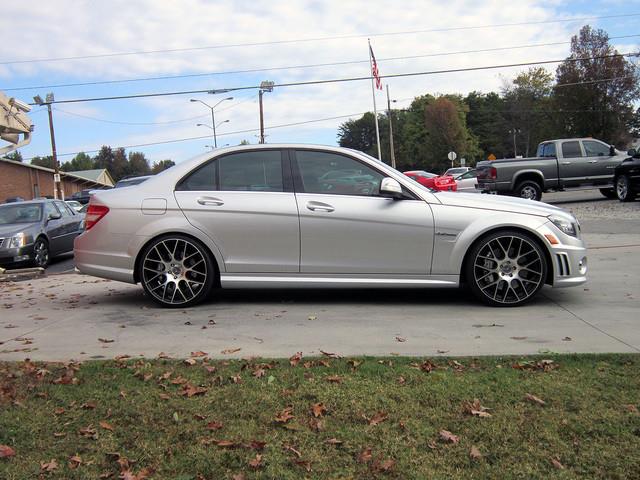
x=571, y=149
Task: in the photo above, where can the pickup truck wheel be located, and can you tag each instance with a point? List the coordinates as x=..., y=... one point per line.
x=623, y=190
x=529, y=189
x=506, y=268
x=608, y=192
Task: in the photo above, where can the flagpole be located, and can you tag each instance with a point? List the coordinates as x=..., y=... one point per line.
x=373, y=94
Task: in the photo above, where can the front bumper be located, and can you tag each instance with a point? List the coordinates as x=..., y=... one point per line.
x=568, y=257
x=16, y=256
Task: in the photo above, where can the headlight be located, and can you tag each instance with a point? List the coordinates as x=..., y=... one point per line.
x=566, y=226
x=17, y=241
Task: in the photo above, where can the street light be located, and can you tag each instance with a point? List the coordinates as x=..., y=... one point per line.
x=58, y=191
x=213, y=118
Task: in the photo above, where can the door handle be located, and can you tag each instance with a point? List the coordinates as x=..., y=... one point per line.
x=319, y=207
x=593, y=161
x=210, y=201
x=566, y=163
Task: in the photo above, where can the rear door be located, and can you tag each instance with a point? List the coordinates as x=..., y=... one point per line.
x=244, y=202
x=71, y=223
x=55, y=228
x=346, y=227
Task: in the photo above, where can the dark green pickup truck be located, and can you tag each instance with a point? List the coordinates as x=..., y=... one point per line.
x=559, y=165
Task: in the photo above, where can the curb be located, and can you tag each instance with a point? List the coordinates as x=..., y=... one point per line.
x=20, y=274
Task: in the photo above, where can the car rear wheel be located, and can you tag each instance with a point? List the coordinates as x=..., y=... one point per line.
x=623, y=190
x=529, y=189
x=176, y=271
x=506, y=268
x=41, y=253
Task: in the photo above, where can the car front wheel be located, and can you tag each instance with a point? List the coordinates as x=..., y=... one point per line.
x=41, y=253
x=176, y=271
x=623, y=190
x=506, y=269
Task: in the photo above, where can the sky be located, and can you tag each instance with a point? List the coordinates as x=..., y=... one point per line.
x=229, y=44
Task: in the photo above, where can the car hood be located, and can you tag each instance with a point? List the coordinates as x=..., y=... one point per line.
x=498, y=203
x=15, y=228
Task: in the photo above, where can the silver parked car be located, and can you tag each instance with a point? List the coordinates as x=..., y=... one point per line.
x=267, y=216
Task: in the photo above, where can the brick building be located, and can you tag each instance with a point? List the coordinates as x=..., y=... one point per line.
x=31, y=181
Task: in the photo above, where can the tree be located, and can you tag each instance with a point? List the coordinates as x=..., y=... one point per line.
x=43, y=161
x=359, y=134
x=528, y=109
x=121, y=167
x=162, y=165
x=445, y=122
x=81, y=161
x=596, y=95
x=15, y=156
x=138, y=164
x=104, y=159
x=486, y=121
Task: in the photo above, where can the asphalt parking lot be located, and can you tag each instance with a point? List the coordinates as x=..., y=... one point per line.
x=66, y=315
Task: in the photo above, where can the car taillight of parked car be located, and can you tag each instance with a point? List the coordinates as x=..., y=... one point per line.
x=493, y=173
x=94, y=215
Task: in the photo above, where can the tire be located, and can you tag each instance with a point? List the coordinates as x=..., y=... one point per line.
x=506, y=268
x=176, y=271
x=623, y=188
x=608, y=192
x=40, y=253
x=529, y=189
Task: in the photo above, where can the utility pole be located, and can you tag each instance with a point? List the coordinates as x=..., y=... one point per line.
x=58, y=190
x=393, y=154
x=515, y=149
x=265, y=86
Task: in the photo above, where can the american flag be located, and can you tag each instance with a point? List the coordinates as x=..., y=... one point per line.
x=374, y=70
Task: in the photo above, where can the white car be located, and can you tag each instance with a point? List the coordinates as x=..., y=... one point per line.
x=77, y=206
x=457, y=171
x=467, y=182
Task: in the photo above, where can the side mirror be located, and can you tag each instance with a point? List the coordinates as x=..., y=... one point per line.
x=632, y=152
x=54, y=216
x=390, y=188
x=612, y=150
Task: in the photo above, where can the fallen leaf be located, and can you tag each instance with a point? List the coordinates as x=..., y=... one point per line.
x=518, y=338
x=443, y=351
x=285, y=415
x=334, y=379
x=259, y=373
x=365, y=455
x=475, y=408
x=295, y=359
x=226, y=444
x=330, y=354
x=190, y=361
x=6, y=451
x=334, y=441
x=567, y=339
x=230, y=350
x=312, y=317
x=256, y=445
x=377, y=418
x=88, y=406
x=534, y=399
x=401, y=339
x=401, y=380
x=105, y=340
x=190, y=390
x=556, y=463
x=631, y=408
x=75, y=462
x=106, y=425
x=293, y=450
x=214, y=425
x=199, y=353
x=49, y=466
x=448, y=437
x=475, y=453
x=256, y=462
x=318, y=409
x=383, y=466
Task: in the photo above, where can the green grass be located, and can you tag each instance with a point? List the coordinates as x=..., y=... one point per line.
x=590, y=423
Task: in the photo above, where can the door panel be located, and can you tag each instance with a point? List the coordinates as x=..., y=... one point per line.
x=364, y=235
x=240, y=202
x=601, y=164
x=573, y=166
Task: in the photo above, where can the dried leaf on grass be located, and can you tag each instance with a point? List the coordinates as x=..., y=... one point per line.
x=377, y=418
x=6, y=451
x=474, y=453
x=534, y=399
x=285, y=415
x=448, y=437
x=475, y=408
x=318, y=409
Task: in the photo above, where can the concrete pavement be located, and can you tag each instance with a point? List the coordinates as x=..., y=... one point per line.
x=75, y=316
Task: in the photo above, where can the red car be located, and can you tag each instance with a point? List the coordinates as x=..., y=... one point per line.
x=445, y=183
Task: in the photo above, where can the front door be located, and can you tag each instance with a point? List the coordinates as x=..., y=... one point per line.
x=601, y=163
x=346, y=227
x=245, y=204
x=573, y=165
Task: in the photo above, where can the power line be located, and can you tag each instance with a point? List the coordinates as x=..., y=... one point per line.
x=343, y=80
x=314, y=39
x=293, y=67
x=202, y=137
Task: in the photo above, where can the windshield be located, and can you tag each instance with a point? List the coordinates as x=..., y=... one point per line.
x=22, y=213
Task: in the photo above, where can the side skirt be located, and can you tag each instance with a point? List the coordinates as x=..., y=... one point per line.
x=230, y=280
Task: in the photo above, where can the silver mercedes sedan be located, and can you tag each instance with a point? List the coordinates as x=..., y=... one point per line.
x=316, y=216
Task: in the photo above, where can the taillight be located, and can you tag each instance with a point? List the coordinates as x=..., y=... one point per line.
x=493, y=173
x=94, y=215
